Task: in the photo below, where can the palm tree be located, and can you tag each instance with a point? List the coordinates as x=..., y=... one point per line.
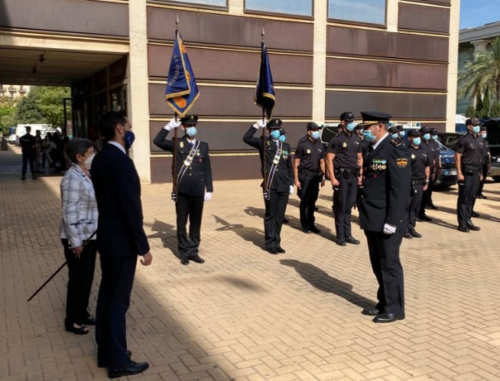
x=482, y=75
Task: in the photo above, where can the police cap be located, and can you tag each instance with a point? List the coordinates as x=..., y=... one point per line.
x=400, y=128
x=311, y=126
x=347, y=116
x=189, y=119
x=434, y=131
x=374, y=117
x=274, y=123
x=393, y=130
x=425, y=130
x=473, y=121
x=414, y=133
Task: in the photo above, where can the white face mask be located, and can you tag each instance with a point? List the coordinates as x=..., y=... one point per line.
x=88, y=162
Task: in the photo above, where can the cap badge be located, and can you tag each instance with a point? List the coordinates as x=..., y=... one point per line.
x=308, y=151
x=181, y=144
x=344, y=144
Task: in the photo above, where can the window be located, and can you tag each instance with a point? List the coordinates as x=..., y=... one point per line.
x=292, y=7
x=210, y=3
x=362, y=11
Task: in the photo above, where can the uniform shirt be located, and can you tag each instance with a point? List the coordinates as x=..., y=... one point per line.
x=419, y=160
x=27, y=143
x=310, y=153
x=346, y=149
x=431, y=147
x=472, y=149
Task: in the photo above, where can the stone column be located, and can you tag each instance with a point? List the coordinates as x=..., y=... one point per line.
x=451, y=101
x=392, y=15
x=319, y=60
x=480, y=45
x=236, y=7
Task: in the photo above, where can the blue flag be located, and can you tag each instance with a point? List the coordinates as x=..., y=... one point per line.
x=264, y=93
x=181, y=91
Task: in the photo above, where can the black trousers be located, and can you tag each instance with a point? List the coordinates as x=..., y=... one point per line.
x=344, y=200
x=427, y=196
x=112, y=306
x=308, y=194
x=273, y=219
x=80, y=278
x=414, y=203
x=467, y=191
x=189, y=208
x=28, y=157
x=484, y=170
x=386, y=265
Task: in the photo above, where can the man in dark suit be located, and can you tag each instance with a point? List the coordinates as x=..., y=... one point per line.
x=194, y=183
x=382, y=210
x=279, y=179
x=120, y=239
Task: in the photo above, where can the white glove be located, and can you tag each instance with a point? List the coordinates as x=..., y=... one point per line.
x=389, y=229
x=260, y=124
x=291, y=189
x=172, y=124
x=208, y=196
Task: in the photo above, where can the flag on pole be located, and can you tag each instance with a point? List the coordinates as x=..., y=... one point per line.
x=264, y=93
x=181, y=92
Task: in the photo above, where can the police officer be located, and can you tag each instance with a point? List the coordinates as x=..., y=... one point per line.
x=279, y=179
x=395, y=133
x=431, y=147
x=382, y=207
x=420, y=173
x=437, y=161
x=401, y=130
x=194, y=183
x=364, y=143
x=283, y=140
x=309, y=170
x=28, y=145
x=486, y=164
x=468, y=158
x=344, y=160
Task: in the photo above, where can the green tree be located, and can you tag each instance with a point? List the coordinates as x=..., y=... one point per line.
x=7, y=114
x=28, y=111
x=471, y=112
x=495, y=110
x=50, y=103
x=479, y=106
x=485, y=112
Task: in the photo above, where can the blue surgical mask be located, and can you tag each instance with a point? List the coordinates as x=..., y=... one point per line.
x=427, y=137
x=129, y=139
x=417, y=141
x=191, y=131
x=367, y=134
x=476, y=129
x=282, y=138
x=395, y=136
x=315, y=135
x=351, y=126
x=435, y=137
x=275, y=134
x=484, y=136
x=403, y=133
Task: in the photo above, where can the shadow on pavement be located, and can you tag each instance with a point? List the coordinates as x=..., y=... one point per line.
x=483, y=216
x=167, y=233
x=253, y=235
x=444, y=224
x=324, y=282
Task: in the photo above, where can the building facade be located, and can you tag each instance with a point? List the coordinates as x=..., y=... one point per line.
x=14, y=91
x=327, y=56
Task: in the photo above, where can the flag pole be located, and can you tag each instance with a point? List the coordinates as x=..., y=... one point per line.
x=174, y=171
x=264, y=135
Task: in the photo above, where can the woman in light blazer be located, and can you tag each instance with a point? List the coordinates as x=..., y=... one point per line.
x=79, y=222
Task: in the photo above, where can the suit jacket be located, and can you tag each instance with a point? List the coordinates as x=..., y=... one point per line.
x=117, y=187
x=386, y=186
x=198, y=177
x=284, y=173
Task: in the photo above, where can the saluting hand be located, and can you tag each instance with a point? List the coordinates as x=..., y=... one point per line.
x=147, y=259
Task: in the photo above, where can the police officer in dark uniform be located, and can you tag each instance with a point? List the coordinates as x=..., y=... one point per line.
x=401, y=130
x=360, y=127
x=468, y=158
x=279, y=179
x=194, y=183
x=28, y=145
x=395, y=133
x=420, y=173
x=486, y=166
x=431, y=147
x=382, y=207
x=437, y=161
x=283, y=140
x=309, y=170
x=344, y=161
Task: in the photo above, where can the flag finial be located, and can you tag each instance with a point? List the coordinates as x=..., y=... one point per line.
x=177, y=22
x=263, y=34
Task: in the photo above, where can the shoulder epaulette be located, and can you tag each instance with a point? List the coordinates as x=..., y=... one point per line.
x=395, y=143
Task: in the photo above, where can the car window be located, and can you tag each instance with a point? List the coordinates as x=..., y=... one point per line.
x=494, y=135
x=452, y=140
x=329, y=133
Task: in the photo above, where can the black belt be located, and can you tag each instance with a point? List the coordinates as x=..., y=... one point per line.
x=308, y=173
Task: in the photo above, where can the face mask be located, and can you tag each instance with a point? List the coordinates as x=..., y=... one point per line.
x=403, y=133
x=88, y=162
x=427, y=136
x=484, y=136
x=395, y=136
x=351, y=126
x=476, y=129
x=417, y=141
x=368, y=136
x=191, y=131
x=435, y=137
x=282, y=138
x=315, y=135
x=129, y=139
x=275, y=134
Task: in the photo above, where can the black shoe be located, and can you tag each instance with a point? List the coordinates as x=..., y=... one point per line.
x=89, y=321
x=415, y=234
x=281, y=250
x=475, y=215
x=463, y=228
x=23, y=178
x=129, y=370
x=102, y=364
x=407, y=235
x=481, y=196
x=426, y=218
x=352, y=240
x=316, y=208
x=197, y=259
x=374, y=311
x=472, y=227
x=286, y=220
x=388, y=318
x=272, y=251
x=341, y=242
x=306, y=230
x=419, y=219
x=81, y=330
x=315, y=230
x=185, y=261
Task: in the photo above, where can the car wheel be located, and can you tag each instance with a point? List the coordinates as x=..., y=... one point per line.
x=496, y=178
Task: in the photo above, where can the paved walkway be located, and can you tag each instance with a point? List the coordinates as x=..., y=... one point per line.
x=246, y=315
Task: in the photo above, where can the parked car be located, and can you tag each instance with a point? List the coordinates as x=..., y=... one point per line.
x=450, y=139
x=328, y=132
x=493, y=129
